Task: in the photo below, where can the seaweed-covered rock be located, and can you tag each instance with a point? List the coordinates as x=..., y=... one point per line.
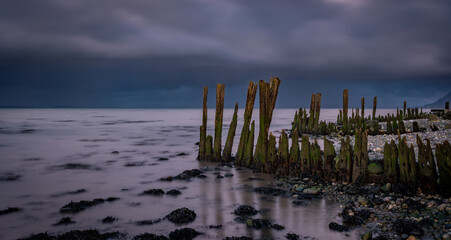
x=354, y=217
x=183, y=234
x=406, y=226
x=75, y=207
x=338, y=227
x=292, y=236
x=245, y=210
x=270, y=191
x=148, y=222
x=149, y=236
x=153, y=192
x=181, y=215
x=109, y=219
x=188, y=174
x=39, y=236
x=173, y=192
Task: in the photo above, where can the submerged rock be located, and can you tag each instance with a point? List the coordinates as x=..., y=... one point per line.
x=153, y=192
x=109, y=219
x=292, y=236
x=148, y=222
x=181, y=215
x=338, y=227
x=64, y=221
x=9, y=210
x=149, y=236
x=245, y=210
x=270, y=191
x=10, y=177
x=75, y=207
x=183, y=234
x=173, y=192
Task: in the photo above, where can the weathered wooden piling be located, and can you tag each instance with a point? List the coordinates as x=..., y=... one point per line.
x=203, y=128
x=415, y=127
x=389, y=127
x=271, y=160
x=284, y=165
x=446, y=106
x=218, y=121
x=317, y=161
x=317, y=111
x=346, y=129
x=248, y=157
x=391, y=169
x=250, y=99
x=208, y=147
x=428, y=174
x=227, y=153
x=443, y=156
x=374, y=107
x=311, y=121
x=267, y=97
x=305, y=154
x=360, y=162
x=344, y=164
x=294, y=154
x=329, y=160
x=404, y=110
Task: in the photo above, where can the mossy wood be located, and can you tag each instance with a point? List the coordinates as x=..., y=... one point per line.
x=250, y=100
x=227, y=153
x=218, y=121
x=203, y=128
x=443, y=156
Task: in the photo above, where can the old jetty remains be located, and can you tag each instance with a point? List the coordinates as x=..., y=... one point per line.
x=306, y=159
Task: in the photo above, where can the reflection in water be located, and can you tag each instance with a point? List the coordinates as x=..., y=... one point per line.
x=68, y=136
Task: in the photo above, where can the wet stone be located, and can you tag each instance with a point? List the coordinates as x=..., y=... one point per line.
x=300, y=203
x=64, y=221
x=109, y=219
x=91, y=234
x=149, y=236
x=215, y=226
x=270, y=191
x=355, y=217
x=182, y=154
x=153, y=192
x=183, y=234
x=188, y=174
x=114, y=152
x=76, y=166
x=9, y=210
x=245, y=210
x=162, y=159
x=181, y=215
x=228, y=175
x=10, y=177
x=406, y=226
x=75, y=207
x=292, y=236
x=237, y=238
x=338, y=227
x=173, y=192
x=148, y=222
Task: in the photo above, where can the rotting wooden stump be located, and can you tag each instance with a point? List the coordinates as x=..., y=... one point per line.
x=360, y=163
x=283, y=165
x=250, y=99
x=391, y=170
x=227, y=153
x=428, y=174
x=218, y=121
x=305, y=155
x=209, y=147
x=294, y=154
x=443, y=156
x=374, y=107
x=408, y=168
x=344, y=164
x=248, y=157
x=346, y=128
x=317, y=112
x=329, y=160
x=267, y=98
x=271, y=160
x=203, y=128
x=317, y=161
x=311, y=120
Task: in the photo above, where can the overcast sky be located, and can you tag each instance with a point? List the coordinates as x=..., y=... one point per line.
x=160, y=53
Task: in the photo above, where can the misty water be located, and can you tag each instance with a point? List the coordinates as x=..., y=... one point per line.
x=35, y=145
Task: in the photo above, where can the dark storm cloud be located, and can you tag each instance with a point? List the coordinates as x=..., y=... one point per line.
x=145, y=53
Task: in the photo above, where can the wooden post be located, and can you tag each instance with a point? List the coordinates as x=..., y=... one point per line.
x=391, y=162
x=294, y=155
x=209, y=147
x=248, y=157
x=443, y=156
x=203, y=128
x=305, y=155
x=413, y=168
x=346, y=129
x=360, y=163
x=317, y=111
x=363, y=109
x=283, y=166
x=446, y=107
x=267, y=97
x=317, y=161
x=404, y=171
x=345, y=161
x=389, y=126
x=428, y=174
x=271, y=160
x=374, y=107
x=329, y=160
x=404, y=110
x=311, y=121
x=250, y=99
x=227, y=153
x=218, y=121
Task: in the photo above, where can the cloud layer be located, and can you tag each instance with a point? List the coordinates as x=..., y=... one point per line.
x=118, y=53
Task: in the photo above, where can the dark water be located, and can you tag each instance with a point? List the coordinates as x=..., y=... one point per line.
x=47, y=155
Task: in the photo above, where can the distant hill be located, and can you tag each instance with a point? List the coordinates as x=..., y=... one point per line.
x=439, y=103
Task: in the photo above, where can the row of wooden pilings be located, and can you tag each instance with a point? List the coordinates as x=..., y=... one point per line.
x=307, y=159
